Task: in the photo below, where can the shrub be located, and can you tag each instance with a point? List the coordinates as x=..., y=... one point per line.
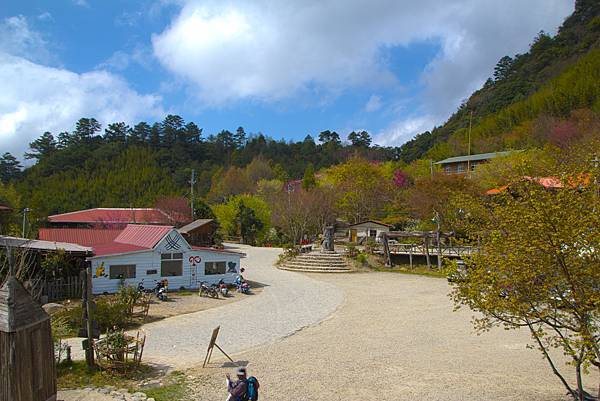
x=351, y=250
x=362, y=259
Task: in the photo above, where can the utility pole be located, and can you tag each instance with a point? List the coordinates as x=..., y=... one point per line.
x=596, y=162
x=25, y=211
x=469, y=147
x=192, y=183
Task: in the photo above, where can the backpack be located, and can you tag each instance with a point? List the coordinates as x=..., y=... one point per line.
x=252, y=389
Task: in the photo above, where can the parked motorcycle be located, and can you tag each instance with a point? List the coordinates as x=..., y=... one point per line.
x=161, y=290
x=208, y=290
x=244, y=287
x=223, y=289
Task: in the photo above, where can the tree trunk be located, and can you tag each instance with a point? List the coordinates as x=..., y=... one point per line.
x=580, y=391
x=547, y=356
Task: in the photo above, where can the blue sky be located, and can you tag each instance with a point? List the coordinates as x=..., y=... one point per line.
x=286, y=69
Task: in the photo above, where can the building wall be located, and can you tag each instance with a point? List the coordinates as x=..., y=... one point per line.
x=362, y=230
x=148, y=261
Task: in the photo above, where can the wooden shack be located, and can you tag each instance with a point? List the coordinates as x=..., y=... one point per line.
x=200, y=232
x=26, y=347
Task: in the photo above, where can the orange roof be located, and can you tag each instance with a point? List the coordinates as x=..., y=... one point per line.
x=548, y=183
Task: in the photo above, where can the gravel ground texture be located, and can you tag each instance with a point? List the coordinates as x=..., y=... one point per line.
x=181, y=304
x=395, y=338
x=287, y=303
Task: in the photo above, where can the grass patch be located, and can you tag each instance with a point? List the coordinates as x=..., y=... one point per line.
x=175, y=389
x=418, y=270
x=76, y=374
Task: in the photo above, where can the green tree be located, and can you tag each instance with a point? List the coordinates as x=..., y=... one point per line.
x=538, y=267
x=85, y=128
x=360, y=139
x=503, y=68
x=239, y=138
x=309, y=181
x=10, y=168
x=116, y=132
x=329, y=137
x=42, y=146
x=249, y=225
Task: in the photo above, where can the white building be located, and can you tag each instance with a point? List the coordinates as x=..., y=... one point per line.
x=360, y=232
x=149, y=253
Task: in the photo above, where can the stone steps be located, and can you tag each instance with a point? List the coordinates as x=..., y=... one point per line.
x=317, y=262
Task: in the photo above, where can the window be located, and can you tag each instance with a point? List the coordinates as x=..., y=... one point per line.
x=171, y=264
x=122, y=271
x=214, y=268
x=372, y=233
x=460, y=168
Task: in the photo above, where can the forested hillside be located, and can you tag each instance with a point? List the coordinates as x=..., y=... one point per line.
x=550, y=95
x=558, y=75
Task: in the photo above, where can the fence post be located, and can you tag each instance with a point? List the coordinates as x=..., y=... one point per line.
x=26, y=347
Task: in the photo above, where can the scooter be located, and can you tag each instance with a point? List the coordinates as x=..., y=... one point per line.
x=161, y=290
x=244, y=287
x=223, y=289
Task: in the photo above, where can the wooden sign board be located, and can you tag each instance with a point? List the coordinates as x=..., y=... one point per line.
x=211, y=345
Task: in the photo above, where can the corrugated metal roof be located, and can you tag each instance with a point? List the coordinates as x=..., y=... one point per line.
x=112, y=216
x=40, y=245
x=146, y=236
x=81, y=236
x=194, y=225
x=371, y=221
x=113, y=248
x=478, y=157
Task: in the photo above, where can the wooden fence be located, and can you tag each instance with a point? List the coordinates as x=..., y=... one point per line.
x=57, y=290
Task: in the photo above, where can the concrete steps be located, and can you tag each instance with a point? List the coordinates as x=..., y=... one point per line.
x=317, y=262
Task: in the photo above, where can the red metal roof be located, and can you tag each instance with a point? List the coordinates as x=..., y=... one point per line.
x=113, y=248
x=143, y=235
x=112, y=216
x=81, y=236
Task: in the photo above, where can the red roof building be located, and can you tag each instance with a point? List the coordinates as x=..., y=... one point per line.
x=111, y=216
x=81, y=236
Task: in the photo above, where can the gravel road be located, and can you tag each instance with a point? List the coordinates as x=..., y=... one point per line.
x=288, y=302
x=396, y=337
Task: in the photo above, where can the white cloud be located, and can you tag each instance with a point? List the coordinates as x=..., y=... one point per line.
x=404, y=130
x=270, y=50
x=37, y=98
x=373, y=104
x=20, y=40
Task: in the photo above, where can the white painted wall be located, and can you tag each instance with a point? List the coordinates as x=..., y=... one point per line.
x=151, y=260
x=362, y=230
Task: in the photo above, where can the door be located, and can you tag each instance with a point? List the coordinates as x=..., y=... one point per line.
x=353, y=234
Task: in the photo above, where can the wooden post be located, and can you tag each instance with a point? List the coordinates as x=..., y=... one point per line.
x=27, y=366
x=410, y=256
x=386, y=250
x=426, y=244
x=86, y=282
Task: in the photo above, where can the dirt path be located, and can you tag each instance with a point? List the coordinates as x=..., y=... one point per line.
x=395, y=338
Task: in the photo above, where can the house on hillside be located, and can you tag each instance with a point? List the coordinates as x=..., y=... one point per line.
x=462, y=164
x=200, y=232
x=364, y=230
x=549, y=183
x=149, y=253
